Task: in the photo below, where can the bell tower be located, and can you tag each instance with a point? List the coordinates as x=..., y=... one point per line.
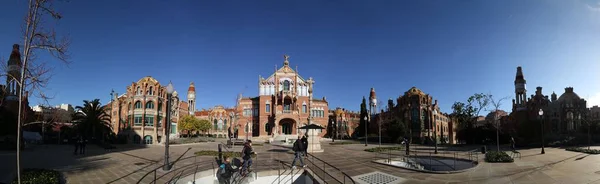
x=519, y=103
x=191, y=98
x=14, y=74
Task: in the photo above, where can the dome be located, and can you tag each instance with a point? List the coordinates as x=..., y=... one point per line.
x=569, y=96
x=148, y=79
x=192, y=87
x=415, y=91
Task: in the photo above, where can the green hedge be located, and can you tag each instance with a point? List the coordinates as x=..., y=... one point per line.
x=37, y=176
x=229, y=154
x=384, y=149
x=495, y=156
x=583, y=150
x=342, y=143
x=191, y=140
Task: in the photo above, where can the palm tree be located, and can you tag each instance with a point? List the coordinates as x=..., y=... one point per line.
x=91, y=117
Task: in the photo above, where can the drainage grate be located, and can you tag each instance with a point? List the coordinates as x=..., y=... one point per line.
x=378, y=178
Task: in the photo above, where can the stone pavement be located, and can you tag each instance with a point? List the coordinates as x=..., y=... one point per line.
x=129, y=164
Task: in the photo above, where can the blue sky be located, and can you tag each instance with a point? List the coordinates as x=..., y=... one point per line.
x=449, y=49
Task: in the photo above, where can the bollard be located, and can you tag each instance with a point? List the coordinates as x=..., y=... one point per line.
x=220, y=153
x=154, y=177
x=455, y=161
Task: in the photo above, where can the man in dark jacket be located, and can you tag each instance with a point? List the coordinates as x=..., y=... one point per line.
x=298, y=149
x=247, y=153
x=225, y=171
x=305, y=143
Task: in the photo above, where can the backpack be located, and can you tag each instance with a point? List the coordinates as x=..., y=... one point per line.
x=221, y=170
x=296, y=146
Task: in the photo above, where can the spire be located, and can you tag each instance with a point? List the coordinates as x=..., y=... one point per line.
x=192, y=88
x=519, y=78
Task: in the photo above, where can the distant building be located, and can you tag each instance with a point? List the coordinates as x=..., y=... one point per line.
x=562, y=115
x=285, y=102
x=423, y=116
x=139, y=114
x=9, y=96
x=342, y=123
x=221, y=119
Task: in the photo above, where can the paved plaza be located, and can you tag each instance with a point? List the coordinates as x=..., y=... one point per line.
x=128, y=164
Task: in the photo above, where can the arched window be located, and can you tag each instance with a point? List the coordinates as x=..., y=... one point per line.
x=138, y=105
x=215, y=125
x=150, y=105
x=225, y=122
x=138, y=91
x=159, y=105
x=150, y=92
x=286, y=85
x=267, y=127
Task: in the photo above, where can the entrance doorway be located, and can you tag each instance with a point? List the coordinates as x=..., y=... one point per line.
x=287, y=126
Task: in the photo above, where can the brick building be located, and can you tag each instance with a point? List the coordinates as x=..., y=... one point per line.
x=562, y=115
x=9, y=96
x=285, y=102
x=422, y=114
x=342, y=123
x=139, y=114
x=221, y=119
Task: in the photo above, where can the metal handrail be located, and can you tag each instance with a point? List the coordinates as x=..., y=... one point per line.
x=182, y=169
x=470, y=155
x=323, y=169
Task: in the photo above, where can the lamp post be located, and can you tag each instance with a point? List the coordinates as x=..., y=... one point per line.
x=435, y=130
x=541, y=113
x=334, y=131
x=366, y=118
x=167, y=128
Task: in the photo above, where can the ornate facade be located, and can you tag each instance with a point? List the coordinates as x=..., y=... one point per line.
x=140, y=113
x=285, y=102
x=422, y=114
x=562, y=114
x=342, y=123
x=221, y=119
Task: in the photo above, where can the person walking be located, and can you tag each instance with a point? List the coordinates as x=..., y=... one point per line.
x=298, y=148
x=225, y=171
x=76, y=144
x=82, y=144
x=305, y=143
x=512, y=143
x=247, y=153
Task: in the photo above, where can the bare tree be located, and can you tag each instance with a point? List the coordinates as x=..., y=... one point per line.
x=37, y=36
x=496, y=106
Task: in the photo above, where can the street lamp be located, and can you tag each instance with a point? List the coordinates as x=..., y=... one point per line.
x=167, y=128
x=435, y=130
x=366, y=118
x=334, y=130
x=541, y=113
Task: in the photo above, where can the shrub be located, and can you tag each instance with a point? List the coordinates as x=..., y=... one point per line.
x=384, y=149
x=36, y=176
x=583, y=150
x=216, y=153
x=495, y=156
x=342, y=143
x=191, y=140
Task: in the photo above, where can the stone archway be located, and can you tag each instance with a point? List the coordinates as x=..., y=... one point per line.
x=287, y=126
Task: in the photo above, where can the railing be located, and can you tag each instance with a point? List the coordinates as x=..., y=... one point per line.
x=176, y=172
x=327, y=172
x=415, y=158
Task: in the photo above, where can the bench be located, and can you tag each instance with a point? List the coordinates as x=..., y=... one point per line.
x=516, y=154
